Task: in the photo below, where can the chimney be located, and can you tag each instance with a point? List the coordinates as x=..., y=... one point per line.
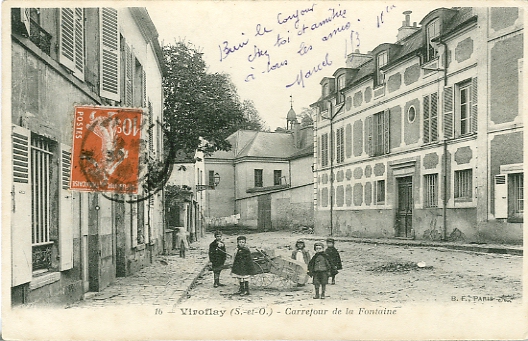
x=406, y=29
x=356, y=59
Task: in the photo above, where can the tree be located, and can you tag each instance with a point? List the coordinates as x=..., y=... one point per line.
x=252, y=119
x=198, y=106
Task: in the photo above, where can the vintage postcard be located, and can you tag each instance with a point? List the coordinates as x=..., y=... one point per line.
x=293, y=170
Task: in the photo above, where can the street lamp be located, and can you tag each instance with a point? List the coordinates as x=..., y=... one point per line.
x=216, y=182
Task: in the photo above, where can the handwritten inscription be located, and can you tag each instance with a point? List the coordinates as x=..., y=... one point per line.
x=283, y=40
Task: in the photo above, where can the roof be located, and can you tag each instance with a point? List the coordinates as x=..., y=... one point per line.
x=261, y=144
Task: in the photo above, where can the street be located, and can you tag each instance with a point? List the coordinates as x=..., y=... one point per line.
x=383, y=273
x=371, y=273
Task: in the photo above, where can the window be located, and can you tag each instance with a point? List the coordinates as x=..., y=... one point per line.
x=430, y=118
x=431, y=190
x=277, y=175
x=463, y=184
x=71, y=40
x=340, y=85
x=380, y=192
x=380, y=133
x=325, y=89
x=515, y=197
x=433, y=31
x=464, y=107
x=411, y=114
x=258, y=178
x=41, y=201
x=211, y=178
x=324, y=150
x=340, y=136
x=381, y=61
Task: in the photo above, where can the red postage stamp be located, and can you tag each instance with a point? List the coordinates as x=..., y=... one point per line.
x=106, y=148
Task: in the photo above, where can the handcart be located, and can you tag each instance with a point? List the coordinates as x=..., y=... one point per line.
x=278, y=270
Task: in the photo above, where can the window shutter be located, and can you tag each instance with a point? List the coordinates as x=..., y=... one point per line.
x=386, y=131
x=25, y=17
x=109, y=52
x=501, y=196
x=67, y=41
x=79, y=43
x=21, y=262
x=319, y=155
x=426, y=119
x=434, y=117
x=474, y=102
x=144, y=81
x=151, y=127
x=66, y=212
x=448, y=112
x=368, y=143
x=129, y=74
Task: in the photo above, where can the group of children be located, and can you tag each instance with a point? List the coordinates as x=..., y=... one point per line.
x=324, y=264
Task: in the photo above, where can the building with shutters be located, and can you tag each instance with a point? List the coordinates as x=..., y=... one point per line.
x=422, y=138
x=65, y=243
x=266, y=179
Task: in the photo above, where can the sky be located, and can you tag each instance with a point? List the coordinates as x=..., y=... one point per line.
x=276, y=49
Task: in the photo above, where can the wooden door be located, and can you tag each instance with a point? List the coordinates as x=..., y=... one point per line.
x=404, y=208
x=264, y=212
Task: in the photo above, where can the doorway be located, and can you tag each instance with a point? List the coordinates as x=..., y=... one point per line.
x=405, y=207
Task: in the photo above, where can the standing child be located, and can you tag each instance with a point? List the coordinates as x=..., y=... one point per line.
x=334, y=257
x=181, y=241
x=300, y=253
x=319, y=268
x=217, y=256
x=242, y=266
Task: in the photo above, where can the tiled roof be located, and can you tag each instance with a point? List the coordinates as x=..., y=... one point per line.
x=462, y=15
x=258, y=144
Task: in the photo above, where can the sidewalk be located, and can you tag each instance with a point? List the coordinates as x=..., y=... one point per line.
x=166, y=281
x=485, y=248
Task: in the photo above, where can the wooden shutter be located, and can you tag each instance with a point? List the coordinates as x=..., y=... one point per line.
x=368, y=143
x=144, y=81
x=79, y=43
x=501, y=196
x=319, y=155
x=474, y=102
x=21, y=262
x=66, y=211
x=448, y=112
x=434, y=117
x=25, y=17
x=67, y=38
x=386, y=132
x=426, y=119
x=109, y=52
x=129, y=74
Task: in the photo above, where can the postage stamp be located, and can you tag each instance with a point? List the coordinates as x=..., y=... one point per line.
x=106, y=148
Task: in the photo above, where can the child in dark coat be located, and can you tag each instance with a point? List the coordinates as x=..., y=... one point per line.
x=217, y=256
x=319, y=268
x=242, y=266
x=334, y=257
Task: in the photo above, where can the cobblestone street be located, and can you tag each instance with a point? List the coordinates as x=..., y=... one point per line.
x=371, y=273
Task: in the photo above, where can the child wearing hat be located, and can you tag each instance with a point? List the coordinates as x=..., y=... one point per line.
x=319, y=268
x=334, y=257
x=242, y=266
x=217, y=257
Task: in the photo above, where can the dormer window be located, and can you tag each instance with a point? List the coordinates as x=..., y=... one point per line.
x=433, y=31
x=340, y=85
x=381, y=59
x=325, y=89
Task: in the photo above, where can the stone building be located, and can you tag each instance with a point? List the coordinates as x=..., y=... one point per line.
x=65, y=243
x=423, y=137
x=266, y=179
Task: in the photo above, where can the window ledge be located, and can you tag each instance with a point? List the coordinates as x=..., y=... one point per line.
x=463, y=199
x=44, y=279
x=264, y=189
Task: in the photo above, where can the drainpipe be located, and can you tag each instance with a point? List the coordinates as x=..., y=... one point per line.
x=444, y=192
x=332, y=166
